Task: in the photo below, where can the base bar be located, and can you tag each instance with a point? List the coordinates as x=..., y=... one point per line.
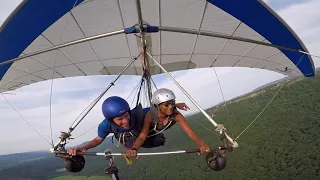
x=213, y=149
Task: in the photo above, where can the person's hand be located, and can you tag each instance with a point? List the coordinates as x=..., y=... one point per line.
x=212, y=115
x=182, y=106
x=220, y=126
x=131, y=153
x=204, y=148
x=73, y=151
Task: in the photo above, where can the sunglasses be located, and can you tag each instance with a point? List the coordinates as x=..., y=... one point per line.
x=168, y=103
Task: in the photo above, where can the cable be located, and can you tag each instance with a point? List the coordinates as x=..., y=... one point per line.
x=25, y=119
x=261, y=111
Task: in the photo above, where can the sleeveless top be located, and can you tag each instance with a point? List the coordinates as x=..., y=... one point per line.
x=156, y=127
x=128, y=138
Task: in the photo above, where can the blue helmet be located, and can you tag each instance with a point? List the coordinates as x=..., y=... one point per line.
x=114, y=106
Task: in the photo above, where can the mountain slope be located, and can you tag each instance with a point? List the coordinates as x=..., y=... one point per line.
x=283, y=142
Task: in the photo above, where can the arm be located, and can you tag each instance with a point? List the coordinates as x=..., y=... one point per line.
x=93, y=143
x=142, y=136
x=103, y=132
x=187, y=129
x=182, y=106
x=144, y=132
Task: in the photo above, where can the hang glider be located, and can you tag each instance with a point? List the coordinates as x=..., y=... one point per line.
x=189, y=34
x=65, y=38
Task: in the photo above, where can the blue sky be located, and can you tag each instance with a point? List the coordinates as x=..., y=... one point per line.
x=282, y=4
x=70, y=96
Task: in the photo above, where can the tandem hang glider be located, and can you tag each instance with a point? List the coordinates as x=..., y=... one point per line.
x=46, y=40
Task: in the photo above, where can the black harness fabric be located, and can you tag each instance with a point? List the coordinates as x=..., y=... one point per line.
x=156, y=124
x=131, y=136
x=156, y=138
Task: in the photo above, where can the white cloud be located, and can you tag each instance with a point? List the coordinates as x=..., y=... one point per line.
x=64, y=111
x=68, y=104
x=6, y=8
x=304, y=19
x=203, y=86
x=277, y=5
x=72, y=95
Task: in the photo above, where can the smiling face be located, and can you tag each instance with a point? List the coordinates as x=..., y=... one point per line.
x=123, y=121
x=167, y=107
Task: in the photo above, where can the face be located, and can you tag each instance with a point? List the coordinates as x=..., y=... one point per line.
x=123, y=121
x=167, y=107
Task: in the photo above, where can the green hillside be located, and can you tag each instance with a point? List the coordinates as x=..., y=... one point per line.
x=283, y=143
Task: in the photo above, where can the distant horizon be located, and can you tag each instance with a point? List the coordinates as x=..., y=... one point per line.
x=70, y=96
x=188, y=115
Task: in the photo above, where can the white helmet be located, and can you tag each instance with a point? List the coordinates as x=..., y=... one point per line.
x=162, y=95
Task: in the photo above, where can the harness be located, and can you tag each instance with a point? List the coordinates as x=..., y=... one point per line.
x=128, y=138
x=156, y=127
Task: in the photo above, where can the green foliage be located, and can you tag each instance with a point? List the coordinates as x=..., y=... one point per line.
x=82, y=178
x=283, y=143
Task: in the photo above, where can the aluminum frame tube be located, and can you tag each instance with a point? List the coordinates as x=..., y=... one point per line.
x=115, y=176
x=183, y=90
x=139, y=154
x=64, y=45
x=234, y=143
x=211, y=34
x=138, y=5
x=103, y=93
x=76, y=123
x=144, y=44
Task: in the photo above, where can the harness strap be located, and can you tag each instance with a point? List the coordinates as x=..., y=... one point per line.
x=133, y=133
x=156, y=121
x=158, y=132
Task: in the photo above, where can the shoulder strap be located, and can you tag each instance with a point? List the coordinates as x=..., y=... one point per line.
x=139, y=117
x=113, y=129
x=174, y=114
x=156, y=121
x=154, y=114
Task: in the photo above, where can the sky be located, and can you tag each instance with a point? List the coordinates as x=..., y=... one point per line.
x=71, y=96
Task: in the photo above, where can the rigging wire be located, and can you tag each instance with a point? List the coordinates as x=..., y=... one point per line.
x=146, y=94
x=133, y=100
x=83, y=133
x=203, y=126
x=134, y=89
x=53, y=73
x=268, y=103
x=92, y=104
x=24, y=119
x=99, y=123
x=51, y=101
x=223, y=99
x=154, y=84
x=261, y=111
x=85, y=109
x=139, y=92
